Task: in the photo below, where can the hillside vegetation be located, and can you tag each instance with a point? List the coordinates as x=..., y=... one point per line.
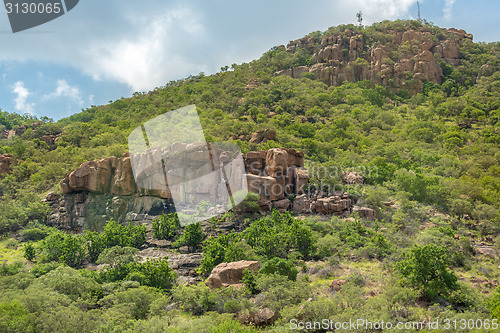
x=429, y=154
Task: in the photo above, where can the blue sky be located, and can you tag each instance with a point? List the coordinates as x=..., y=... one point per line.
x=103, y=50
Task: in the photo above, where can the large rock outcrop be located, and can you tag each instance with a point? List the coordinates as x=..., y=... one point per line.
x=103, y=189
x=227, y=274
x=405, y=61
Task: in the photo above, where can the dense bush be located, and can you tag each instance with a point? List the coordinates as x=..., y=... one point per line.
x=166, y=226
x=425, y=268
x=280, y=266
x=271, y=236
x=191, y=237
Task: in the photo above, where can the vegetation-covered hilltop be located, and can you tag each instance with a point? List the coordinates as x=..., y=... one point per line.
x=413, y=108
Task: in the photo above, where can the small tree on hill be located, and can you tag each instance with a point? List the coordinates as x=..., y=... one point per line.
x=425, y=268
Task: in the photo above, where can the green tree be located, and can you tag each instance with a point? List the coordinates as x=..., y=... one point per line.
x=425, y=268
x=280, y=266
x=166, y=226
x=192, y=236
x=29, y=251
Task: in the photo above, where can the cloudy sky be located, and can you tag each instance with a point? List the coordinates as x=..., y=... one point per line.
x=103, y=50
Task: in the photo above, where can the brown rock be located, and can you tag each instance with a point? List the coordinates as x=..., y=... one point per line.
x=336, y=284
x=353, y=178
x=451, y=49
x=298, y=71
x=51, y=196
x=227, y=274
x=276, y=162
x=301, y=179
x=93, y=176
x=295, y=157
x=263, y=317
x=365, y=212
x=123, y=182
x=266, y=187
x=6, y=160
x=486, y=250
x=254, y=162
x=282, y=205
x=260, y=136
x=301, y=204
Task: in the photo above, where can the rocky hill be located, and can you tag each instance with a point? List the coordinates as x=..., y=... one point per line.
x=381, y=144
x=399, y=60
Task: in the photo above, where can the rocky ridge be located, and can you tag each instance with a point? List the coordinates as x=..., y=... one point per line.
x=406, y=61
x=103, y=189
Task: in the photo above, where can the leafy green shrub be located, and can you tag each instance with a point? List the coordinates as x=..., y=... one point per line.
x=166, y=226
x=192, y=236
x=494, y=304
x=280, y=266
x=13, y=317
x=425, y=268
x=29, y=251
x=276, y=234
x=249, y=280
x=43, y=268
x=138, y=301
x=196, y=299
x=231, y=325
x=65, y=248
x=33, y=234
x=133, y=235
x=96, y=243
x=248, y=204
x=70, y=282
x=214, y=251
x=463, y=298
x=10, y=269
x=278, y=291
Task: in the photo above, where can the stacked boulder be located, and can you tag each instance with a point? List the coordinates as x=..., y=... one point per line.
x=345, y=57
x=106, y=188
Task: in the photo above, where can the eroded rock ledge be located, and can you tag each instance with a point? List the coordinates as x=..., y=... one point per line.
x=103, y=189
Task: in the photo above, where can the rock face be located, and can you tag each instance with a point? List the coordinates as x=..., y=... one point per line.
x=353, y=178
x=335, y=204
x=6, y=160
x=405, y=61
x=103, y=189
x=365, y=213
x=11, y=134
x=227, y=274
x=263, y=136
x=107, y=175
x=261, y=317
x=337, y=284
x=276, y=173
x=76, y=211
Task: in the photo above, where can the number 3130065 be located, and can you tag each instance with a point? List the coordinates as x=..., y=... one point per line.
x=33, y=8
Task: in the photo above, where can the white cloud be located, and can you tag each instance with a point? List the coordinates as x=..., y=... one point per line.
x=20, y=102
x=63, y=89
x=162, y=47
x=448, y=7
